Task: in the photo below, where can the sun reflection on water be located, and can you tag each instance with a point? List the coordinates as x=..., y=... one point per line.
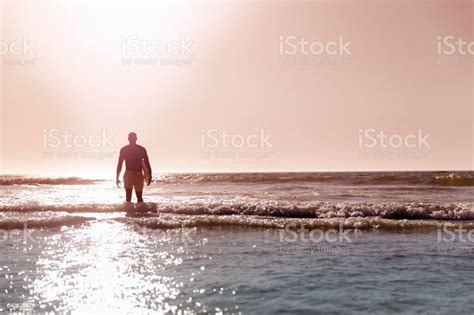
x=107, y=267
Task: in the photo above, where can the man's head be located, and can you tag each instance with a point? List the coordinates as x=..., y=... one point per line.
x=132, y=137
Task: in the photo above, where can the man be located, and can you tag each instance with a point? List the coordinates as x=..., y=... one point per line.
x=136, y=161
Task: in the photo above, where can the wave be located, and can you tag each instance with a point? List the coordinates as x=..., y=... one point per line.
x=317, y=209
x=399, y=211
x=351, y=178
x=8, y=180
x=168, y=221
x=454, y=180
x=81, y=208
x=173, y=221
x=41, y=222
x=270, y=178
x=243, y=177
x=346, y=178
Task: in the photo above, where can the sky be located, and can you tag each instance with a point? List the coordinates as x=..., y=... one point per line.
x=237, y=86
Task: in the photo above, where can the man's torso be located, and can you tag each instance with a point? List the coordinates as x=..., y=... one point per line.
x=133, y=155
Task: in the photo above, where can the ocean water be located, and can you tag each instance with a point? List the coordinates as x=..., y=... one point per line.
x=251, y=243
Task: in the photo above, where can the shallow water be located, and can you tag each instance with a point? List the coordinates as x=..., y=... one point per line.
x=405, y=195
x=106, y=265
x=252, y=243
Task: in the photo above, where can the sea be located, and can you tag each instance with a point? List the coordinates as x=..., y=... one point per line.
x=238, y=243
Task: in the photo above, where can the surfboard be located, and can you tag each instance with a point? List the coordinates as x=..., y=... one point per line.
x=146, y=172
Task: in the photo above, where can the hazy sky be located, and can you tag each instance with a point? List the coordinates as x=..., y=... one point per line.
x=237, y=86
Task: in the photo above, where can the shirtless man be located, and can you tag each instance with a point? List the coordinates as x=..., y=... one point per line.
x=136, y=162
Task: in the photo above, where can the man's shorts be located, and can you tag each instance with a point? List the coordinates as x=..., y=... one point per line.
x=133, y=180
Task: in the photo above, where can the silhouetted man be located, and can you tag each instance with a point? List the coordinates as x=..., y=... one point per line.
x=136, y=162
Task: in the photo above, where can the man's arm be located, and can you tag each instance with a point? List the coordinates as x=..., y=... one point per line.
x=148, y=166
x=119, y=169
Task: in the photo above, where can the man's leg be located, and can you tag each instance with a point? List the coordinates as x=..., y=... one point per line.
x=139, y=187
x=128, y=185
x=128, y=195
x=139, y=196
